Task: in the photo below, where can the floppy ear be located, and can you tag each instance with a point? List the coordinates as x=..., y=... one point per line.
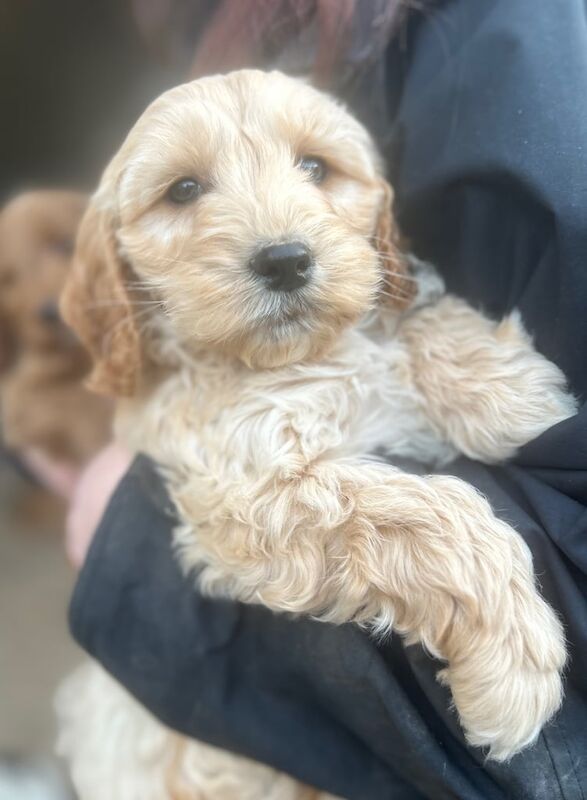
x=95, y=302
x=399, y=288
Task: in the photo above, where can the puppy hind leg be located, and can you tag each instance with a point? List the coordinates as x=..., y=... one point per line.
x=487, y=390
x=116, y=750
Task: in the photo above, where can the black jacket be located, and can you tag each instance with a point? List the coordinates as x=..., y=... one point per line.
x=481, y=112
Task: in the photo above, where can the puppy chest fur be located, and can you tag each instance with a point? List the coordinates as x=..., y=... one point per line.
x=221, y=431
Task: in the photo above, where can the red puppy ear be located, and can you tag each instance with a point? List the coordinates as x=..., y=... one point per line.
x=399, y=288
x=95, y=302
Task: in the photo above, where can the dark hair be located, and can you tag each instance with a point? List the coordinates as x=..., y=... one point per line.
x=333, y=41
x=246, y=33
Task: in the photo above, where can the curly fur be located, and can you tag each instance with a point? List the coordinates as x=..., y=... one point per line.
x=264, y=412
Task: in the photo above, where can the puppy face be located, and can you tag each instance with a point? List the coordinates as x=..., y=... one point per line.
x=250, y=206
x=37, y=234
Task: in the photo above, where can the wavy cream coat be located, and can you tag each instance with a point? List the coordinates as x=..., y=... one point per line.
x=265, y=412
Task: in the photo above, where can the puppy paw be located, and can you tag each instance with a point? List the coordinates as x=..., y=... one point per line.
x=507, y=691
x=545, y=400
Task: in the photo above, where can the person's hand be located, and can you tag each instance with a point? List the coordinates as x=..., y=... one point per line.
x=90, y=497
x=60, y=477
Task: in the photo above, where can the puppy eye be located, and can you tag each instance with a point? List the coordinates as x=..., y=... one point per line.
x=314, y=167
x=184, y=191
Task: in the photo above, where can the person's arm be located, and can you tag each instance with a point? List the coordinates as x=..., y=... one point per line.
x=276, y=689
x=325, y=703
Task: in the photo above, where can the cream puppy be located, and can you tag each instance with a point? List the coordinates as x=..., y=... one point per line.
x=240, y=284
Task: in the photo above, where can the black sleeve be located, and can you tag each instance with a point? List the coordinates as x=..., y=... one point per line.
x=487, y=138
x=296, y=694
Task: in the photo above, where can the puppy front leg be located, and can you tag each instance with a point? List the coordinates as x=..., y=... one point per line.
x=465, y=588
x=348, y=541
x=486, y=388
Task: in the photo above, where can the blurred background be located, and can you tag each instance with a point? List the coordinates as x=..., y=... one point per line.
x=35, y=648
x=74, y=75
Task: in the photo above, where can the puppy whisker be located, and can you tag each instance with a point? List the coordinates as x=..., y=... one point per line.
x=399, y=296
x=109, y=333
x=121, y=303
x=394, y=273
x=137, y=284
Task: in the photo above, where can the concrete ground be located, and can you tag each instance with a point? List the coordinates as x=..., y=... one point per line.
x=35, y=647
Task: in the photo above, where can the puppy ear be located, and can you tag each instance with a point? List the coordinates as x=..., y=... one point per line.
x=398, y=289
x=96, y=303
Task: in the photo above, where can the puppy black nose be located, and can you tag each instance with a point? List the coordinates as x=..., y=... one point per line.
x=283, y=267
